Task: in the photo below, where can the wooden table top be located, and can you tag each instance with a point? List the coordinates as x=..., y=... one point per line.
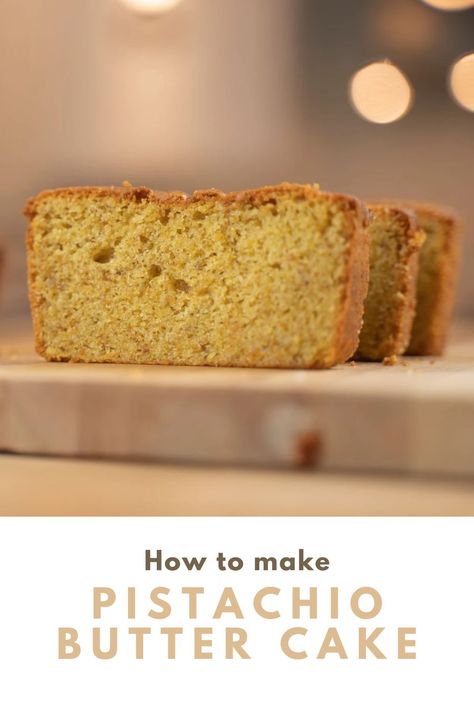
x=67, y=487
x=416, y=416
x=357, y=440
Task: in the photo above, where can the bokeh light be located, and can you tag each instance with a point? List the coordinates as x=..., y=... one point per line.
x=380, y=92
x=450, y=4
x=150, y=7
x=461, y=81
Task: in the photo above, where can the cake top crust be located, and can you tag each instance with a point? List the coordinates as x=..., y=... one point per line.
x=181, y=199
x=429, y=210
x=403, y=214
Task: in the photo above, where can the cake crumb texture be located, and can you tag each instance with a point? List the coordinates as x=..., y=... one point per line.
x=274, y=277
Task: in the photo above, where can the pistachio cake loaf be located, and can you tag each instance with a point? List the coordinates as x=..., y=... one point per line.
x=437, y=277
x=273, y=277
x=389, y=309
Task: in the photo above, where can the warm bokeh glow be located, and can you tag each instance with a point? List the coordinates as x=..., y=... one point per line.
x=405, y=26
x=380, y=92
x=150, y=7
x=461, y=81
x=450, y=4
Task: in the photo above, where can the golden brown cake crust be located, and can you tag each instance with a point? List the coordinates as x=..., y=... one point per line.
x=357, y=286
x=2, y=267
x=179, y=198
x=404, y=316
x=430, y=330
x=357, y=266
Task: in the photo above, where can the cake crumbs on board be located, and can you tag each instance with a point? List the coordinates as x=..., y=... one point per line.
x=390, y=360
x=395, y=360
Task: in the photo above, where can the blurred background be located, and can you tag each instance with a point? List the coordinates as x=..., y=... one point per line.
x=236, y=93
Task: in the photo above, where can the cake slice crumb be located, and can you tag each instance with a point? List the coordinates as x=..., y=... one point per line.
x=129, y=275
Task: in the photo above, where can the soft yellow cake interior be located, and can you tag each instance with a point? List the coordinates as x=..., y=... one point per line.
x=258, y=279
